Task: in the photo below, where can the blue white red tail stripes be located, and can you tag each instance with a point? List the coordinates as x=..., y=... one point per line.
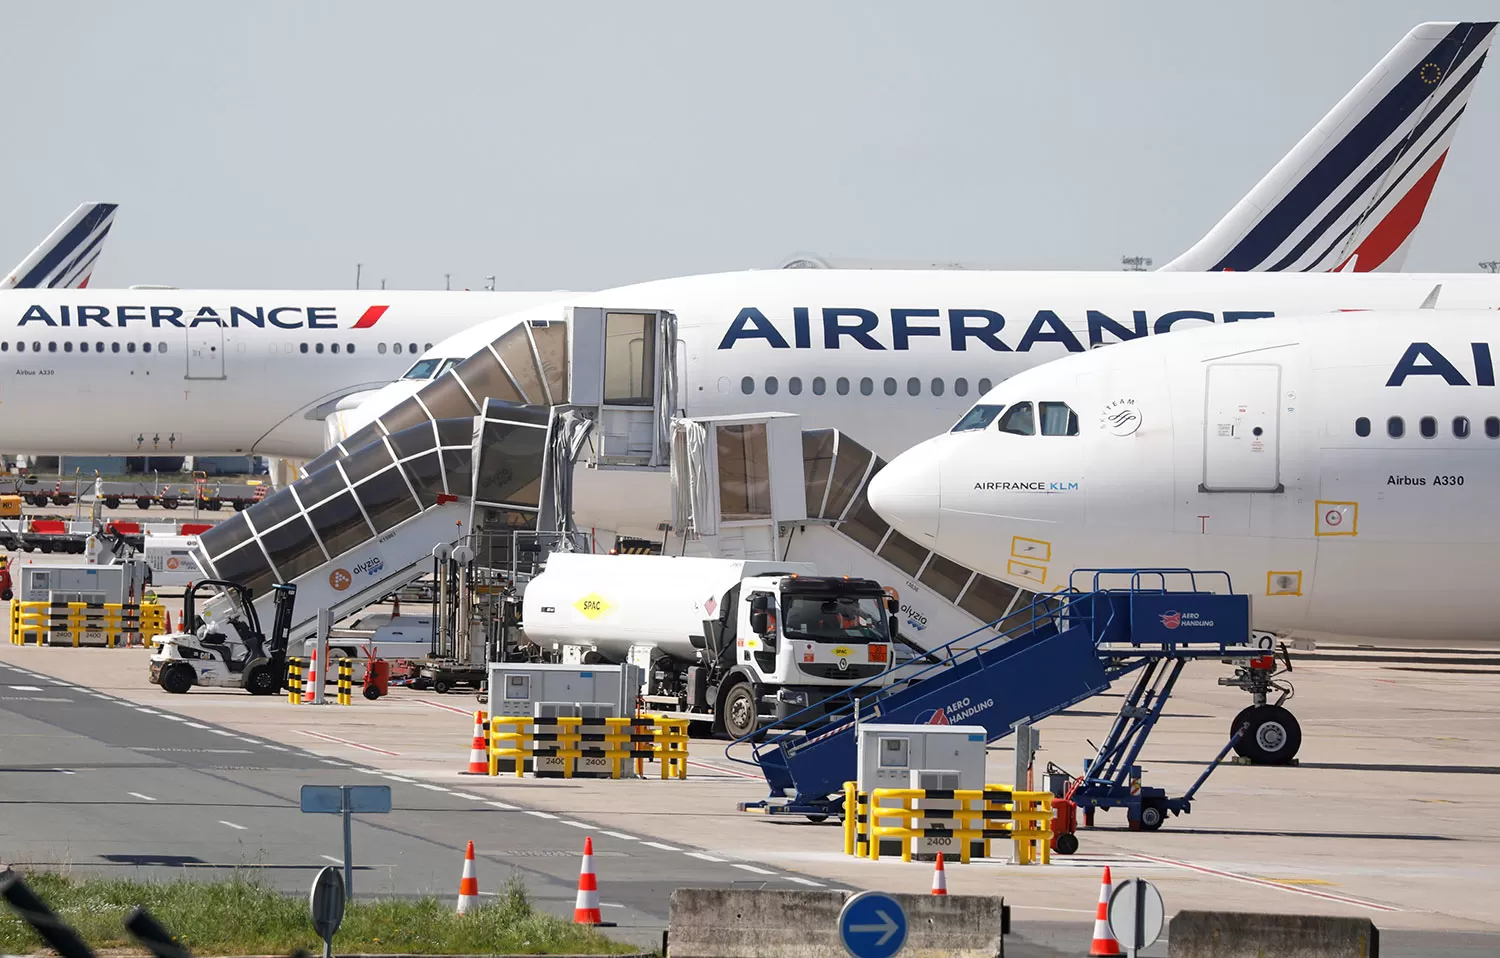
x=1351, y=192
x=66, y=258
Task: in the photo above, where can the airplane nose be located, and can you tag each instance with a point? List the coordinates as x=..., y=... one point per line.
x=905, y=493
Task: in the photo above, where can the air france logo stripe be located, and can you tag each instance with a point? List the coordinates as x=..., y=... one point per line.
x=370, y=317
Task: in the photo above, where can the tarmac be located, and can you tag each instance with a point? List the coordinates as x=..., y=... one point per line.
x=1391, y=815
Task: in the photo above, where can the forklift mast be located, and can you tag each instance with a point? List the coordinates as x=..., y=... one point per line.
x=281, y=629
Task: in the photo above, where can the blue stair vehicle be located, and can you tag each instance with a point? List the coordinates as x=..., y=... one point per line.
x=1069, y=646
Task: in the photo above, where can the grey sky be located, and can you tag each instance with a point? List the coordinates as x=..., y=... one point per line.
x=582, y=145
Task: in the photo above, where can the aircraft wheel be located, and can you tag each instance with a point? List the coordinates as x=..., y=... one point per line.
x=1152, y=817
x=1241, y=747
x=177, y=678
x=262, y=680
x=1067, y=843
x=1274, y=736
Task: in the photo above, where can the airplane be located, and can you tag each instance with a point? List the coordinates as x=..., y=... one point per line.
x=1340, y=468
x=258, y=373
x=66, y=258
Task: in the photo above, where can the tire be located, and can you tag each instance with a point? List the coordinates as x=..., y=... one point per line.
x=1274, y=736
x=371, y=693
x=740, y=711
x=46, y=548
x=7, y=595
x=1067, y=843
x=111, y=502
x=262, y=680
x=1152, y=817
x=214, y=505
x=169, y=503
x=440, y=686
x=143, y=503
x=177, y=678
x=239, y=505
x=59, y=500
x=1240, y=719
x=817, y=819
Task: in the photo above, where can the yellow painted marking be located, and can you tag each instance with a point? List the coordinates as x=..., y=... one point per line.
x=1037, y=549
x=593, y=605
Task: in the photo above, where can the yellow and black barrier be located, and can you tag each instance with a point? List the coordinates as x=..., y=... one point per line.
x=85, y=623
x=294, y=667
x=577, y=743
x=346, y=682
x=982, y=815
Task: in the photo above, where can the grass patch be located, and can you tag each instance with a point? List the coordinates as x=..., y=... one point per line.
x=241, y=916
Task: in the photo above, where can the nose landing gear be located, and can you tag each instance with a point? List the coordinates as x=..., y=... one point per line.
x=1272, y=734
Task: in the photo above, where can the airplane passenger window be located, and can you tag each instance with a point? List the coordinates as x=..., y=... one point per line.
x=318, y=348
x=842, y=386
x=162, y=347
x=914, y=387
x=52, y=347
x=84, y=347
x=772, y=385
x=1492, y=427
x=1362, y=427
x=985, y=385
x=890, y=386
x=4, y=346
x=1461, y=427
x=937, y=387
x=794, y=385
x=977, y=418
x=1394, y=427
x=960, y=386
x=395, y=346
x=335, y=347
x=747, y=385
x=349, y=348
x=413, y=347
x=20, y=347
x=36, y=346
x=98, y=347
x=866, y=386
x=130, y=347
x=380, y=348
x=145, y=347
x=1428, y=426
x=1019, y=420
x=428, y=346
x=302, y=347
x=68, y=347
x=1058, y=419
x=114, y=347
x=820, y=386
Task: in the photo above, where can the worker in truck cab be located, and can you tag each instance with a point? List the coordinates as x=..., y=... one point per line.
x=6, y=593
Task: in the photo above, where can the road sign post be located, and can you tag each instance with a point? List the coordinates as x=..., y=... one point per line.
x=1136, y=914
x=346, y=800
x=327, y=905
x=872, y=924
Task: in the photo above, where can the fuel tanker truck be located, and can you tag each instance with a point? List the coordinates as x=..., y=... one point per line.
x=738, y=643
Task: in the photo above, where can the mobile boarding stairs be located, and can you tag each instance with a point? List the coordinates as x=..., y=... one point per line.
x=1107, y=624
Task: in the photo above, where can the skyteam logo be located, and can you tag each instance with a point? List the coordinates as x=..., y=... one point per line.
x=840, y=327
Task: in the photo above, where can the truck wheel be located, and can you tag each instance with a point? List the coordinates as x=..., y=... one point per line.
x=214, y=505
x=59, y=500
x=239, y=505
x=1067, y=843
x=440, y=686
x=111, y=502
x=1274, y=736
x=169, y=503
x=177, y=678
x=143, y=503
x=1152, y=817
x=740, y=711
x=37, y=500
x=262, y=680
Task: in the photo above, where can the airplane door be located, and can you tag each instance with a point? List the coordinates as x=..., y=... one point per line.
x=1241, y=438
x=205, y=352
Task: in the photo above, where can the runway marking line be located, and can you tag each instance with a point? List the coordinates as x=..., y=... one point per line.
x=502, y=806
x=27, y=688
x=752, y=868
x=145, y=711
x=705, y=856
x=219, y=731
x=197, y=725
x=665, y=848
x=621, y=835
x=539, y=814
x=431, y=788
x=446, y=708
x=470, y=797
x=1294, y=889
x=278, y=748
x=65, y=771
x=175, y=718
x=144, y=798
x=398, y=778
x=576, y=824
x=804, y=881
x=233, y=825
x=344, y=741
x=336, y=861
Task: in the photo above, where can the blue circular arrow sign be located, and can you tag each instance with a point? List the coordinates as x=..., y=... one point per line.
x=872, y=925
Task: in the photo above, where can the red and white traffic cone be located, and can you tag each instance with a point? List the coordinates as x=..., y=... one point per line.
x=939, y=878
x=1104, y=939
x=479, y=749
x=468, y=885
x=586, y=905
x=311, y=681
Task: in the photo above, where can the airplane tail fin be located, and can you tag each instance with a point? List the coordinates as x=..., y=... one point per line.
x=65, y=259
x=1349, y=195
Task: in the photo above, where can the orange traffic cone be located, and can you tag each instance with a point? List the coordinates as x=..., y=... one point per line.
x=311, y=681
x=1104, y=939
x=939, y=878
x=468, y=885
x=586, y=905
x=395, y=606
x=479, y=749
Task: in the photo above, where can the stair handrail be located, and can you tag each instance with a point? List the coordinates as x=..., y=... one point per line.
x=1040, y=611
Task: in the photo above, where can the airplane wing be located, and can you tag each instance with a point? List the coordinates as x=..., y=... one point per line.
x=1350, y=194
x=65, y=259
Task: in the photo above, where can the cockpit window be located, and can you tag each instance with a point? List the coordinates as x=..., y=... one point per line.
x=977, y=418
x=447, y=365
x=424, y=369
x=1058, y=419
x=1019, y=420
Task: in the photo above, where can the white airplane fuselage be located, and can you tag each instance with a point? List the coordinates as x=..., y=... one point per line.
x=1342, y=469
x=122, y=372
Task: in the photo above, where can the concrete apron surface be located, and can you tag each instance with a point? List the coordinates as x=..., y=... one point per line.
x=1393, y=814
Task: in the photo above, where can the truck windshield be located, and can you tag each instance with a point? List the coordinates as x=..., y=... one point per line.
x=833, y=619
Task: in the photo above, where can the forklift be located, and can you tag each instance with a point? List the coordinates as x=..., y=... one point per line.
x=228, y=650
